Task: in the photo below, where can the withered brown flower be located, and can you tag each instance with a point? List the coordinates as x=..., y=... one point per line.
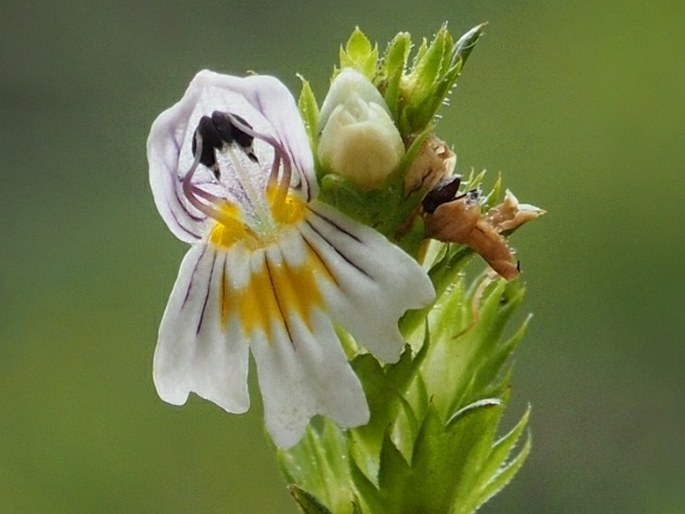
x=454, y=218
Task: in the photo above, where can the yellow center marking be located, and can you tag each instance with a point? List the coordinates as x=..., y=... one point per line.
x=273, y=293
x=277, y=291
x=232, y=229
x=285, y=212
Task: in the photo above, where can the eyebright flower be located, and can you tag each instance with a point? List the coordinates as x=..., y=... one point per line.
x=358, y=139
x=270, y=269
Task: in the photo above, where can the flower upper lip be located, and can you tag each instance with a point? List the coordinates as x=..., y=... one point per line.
x=273, y=114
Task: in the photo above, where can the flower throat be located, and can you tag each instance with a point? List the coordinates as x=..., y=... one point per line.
x=262, y=210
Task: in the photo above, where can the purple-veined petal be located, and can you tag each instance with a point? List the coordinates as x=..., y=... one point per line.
x=274, y=101
x=375, y=281
x=264, y=102
x=196, y=351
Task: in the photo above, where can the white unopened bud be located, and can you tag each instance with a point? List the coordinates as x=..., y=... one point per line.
x=358, y=138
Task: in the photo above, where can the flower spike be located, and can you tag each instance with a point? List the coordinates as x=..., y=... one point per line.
x=270, y=269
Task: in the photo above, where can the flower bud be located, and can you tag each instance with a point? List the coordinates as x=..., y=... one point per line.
x=358, y=138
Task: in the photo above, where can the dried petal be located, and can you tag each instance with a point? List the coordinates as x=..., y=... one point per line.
x=461, y=221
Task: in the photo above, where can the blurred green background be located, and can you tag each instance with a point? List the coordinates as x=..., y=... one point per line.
x=580, y=104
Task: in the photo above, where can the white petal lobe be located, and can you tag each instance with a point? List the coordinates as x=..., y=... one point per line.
x=376, y=282
x=303, y=373
x=193, y=352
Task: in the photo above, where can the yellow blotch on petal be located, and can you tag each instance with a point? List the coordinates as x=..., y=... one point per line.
x=254, y=303
x=274, y=293
x=285, y=211
x=230, y=229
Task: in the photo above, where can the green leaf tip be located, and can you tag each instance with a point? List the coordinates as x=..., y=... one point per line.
x=466, y=43
x=434, y=72
x=309, y=110
x=413, y=92
x=307, y=502
x=359, y=54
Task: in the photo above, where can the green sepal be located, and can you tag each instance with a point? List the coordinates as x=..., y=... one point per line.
x=420, y=85
x=359, y=54
x=392, y=69
x=309, y=110
x=420, y=52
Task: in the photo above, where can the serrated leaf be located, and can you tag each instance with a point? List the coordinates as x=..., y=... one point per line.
x=446, y=456
x=384, y=389
x=502, y=449
x=505, y=476
x=474, y=430
x=308, y=503
x=309, y=110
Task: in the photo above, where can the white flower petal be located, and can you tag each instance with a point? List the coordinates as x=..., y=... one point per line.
x=261, y=100
x=375, y=281
x=275, y=102
x=302, y=373
x=164, y=146
x=193, y=352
